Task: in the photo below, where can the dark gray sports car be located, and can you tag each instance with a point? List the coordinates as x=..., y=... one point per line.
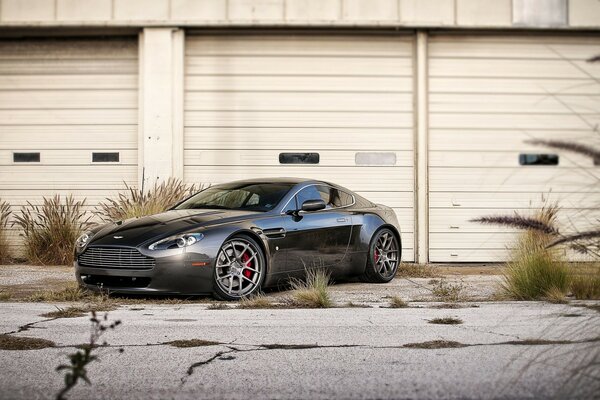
x=231, y=240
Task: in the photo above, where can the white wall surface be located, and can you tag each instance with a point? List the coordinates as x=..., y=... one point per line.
x=367, y=13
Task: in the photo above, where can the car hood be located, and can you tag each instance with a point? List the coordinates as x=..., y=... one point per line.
x=136, y=231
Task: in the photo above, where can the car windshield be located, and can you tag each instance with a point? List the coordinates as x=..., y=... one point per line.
x=251, y=197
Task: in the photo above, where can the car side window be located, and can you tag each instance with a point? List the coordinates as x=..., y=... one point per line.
x=339, y=198
x=334, y=197
x=308, y=193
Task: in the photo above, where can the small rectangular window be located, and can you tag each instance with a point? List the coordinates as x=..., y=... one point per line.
x=538, y=159
x=26, y=157
x=298, y=158
x=375, y=158
x=105, y=157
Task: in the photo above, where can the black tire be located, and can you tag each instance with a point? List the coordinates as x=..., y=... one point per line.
x=382, y=268
x=246, y=270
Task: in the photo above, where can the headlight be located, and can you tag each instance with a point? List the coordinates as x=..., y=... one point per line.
x=177, y=241
x=84, y=240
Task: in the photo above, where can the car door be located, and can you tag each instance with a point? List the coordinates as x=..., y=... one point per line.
x=318, y=238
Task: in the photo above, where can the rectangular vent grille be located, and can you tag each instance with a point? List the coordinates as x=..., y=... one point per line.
x=115, y=257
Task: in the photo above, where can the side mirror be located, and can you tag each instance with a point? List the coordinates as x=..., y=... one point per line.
x=313, y=205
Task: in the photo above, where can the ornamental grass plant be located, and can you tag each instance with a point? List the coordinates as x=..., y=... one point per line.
x=137, y=202
x=50, y=230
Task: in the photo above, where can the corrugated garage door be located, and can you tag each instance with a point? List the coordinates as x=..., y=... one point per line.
x=348, y=98
x=60, y=101
x=488, y=95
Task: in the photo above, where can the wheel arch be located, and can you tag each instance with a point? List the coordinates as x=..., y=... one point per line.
x=253, y=235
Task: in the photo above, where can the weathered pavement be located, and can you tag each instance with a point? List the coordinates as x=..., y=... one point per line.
x=305, y=354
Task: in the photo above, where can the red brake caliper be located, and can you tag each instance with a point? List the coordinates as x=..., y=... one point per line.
x=376, y=255
x=247, y=273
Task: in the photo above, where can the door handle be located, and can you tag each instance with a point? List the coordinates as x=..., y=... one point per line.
x=342, y=220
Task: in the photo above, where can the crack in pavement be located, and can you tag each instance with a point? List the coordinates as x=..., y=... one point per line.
x=28, y=326
x=267, y=347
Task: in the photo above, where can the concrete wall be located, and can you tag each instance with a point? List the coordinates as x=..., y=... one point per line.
x=561, y=14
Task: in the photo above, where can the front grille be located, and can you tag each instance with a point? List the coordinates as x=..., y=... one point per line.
x=115, y=257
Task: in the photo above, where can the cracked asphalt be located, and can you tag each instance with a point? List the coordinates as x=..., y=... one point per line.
x=508, y=350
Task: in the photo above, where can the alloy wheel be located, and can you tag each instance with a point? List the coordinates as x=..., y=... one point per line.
x=239, y=268
x=386, y=254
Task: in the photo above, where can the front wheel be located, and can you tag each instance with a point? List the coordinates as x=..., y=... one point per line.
x=384, y=257
x=240, y=268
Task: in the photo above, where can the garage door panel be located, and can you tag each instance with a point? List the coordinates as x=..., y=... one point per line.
x=98, y=137
x=457, y=220
x=502, y=159
x=491, y=68
x=497, y=85
x=515, y=104
x=68, y=82
x=69, y=117
x=67, y=66
x=514, y=121
x=489, y=255
x=366, y=139
x=395, y=199
x=271, y=157
x=294, y=120
x=511, y=200
x=265, y=65
x=298, y=83
x=479, y=139
x=354, y=178
x=289, y=45
x=67, y=99
x=250, y=98
x=298, y=101
x=473, y=47
x=489, y=95
x=50, y=49
x=19, y=197
x=526, y=179
x=65, y=177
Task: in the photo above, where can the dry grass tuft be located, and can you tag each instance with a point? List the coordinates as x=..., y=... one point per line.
x=76, y=312
x=135, y=203
x=556, y=296
x=586, y=286
x=448, y=292
x=535, y=269
x=416, y=271
x=312, y=292
x=258, y=301
x=10, y=342
x=5, y=295
x=50, y=230
x=435, y=344
x=72, y=292
x=446, y=321
x=218, y=306
x=186, y=343
x=5, y=256
x=397, y=302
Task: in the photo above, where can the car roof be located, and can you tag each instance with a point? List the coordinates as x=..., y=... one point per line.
x=290, y=181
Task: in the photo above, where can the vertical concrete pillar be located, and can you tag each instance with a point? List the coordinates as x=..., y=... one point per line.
x=422, y=151
x=160, y=146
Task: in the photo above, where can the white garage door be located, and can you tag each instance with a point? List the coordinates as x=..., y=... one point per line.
x=488, y=95
x=68, y=118
x=347, y=98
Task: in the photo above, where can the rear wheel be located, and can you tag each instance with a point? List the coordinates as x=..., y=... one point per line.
x=239, y=269
x=384, y=257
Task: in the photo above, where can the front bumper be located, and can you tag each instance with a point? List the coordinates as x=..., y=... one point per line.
x=175, y=272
